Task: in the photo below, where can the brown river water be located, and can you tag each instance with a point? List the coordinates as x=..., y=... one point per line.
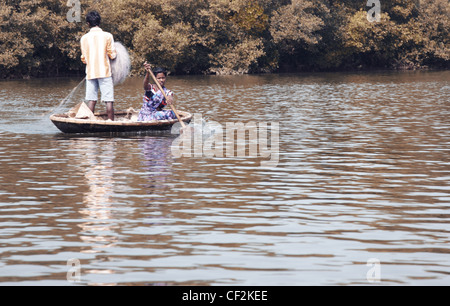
x=358, y=193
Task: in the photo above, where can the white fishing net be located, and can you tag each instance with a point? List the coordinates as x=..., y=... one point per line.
x=120, y=66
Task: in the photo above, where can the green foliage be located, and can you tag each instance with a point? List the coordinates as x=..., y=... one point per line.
x=229, y=36
x=35, y=38
x=297, y=24
x=432, y=35
x=411, y=34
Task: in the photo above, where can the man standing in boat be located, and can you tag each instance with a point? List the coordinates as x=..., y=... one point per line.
x=97, y=48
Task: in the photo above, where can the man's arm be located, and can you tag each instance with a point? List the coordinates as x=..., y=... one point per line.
x=83, y=57
x=110, y=49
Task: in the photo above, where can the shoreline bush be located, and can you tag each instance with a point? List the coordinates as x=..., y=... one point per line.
x=229, y=36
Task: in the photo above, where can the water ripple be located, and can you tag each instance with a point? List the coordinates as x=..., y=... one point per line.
x=363, y=172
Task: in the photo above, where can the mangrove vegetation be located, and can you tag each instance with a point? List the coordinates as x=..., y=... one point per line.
x=41, y=37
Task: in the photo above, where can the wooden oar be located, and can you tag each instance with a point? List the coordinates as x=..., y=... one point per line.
x=165, y=96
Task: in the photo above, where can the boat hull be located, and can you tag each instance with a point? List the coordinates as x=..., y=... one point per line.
x=67, y=124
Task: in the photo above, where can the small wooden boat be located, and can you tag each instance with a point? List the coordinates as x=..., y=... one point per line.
x=81, y=120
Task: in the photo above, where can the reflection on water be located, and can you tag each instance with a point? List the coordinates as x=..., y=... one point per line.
x=95, y=159
x=157, y=161
x=97, y=164
x=363, y=174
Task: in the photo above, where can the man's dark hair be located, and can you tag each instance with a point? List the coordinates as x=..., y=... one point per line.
x=93, y=18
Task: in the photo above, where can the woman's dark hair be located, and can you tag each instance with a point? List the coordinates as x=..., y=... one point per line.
x=159, y=70
x=93, y=18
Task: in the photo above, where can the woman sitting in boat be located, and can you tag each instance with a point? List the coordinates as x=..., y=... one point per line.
x=154, y=100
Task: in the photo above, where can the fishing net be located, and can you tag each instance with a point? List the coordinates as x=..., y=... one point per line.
x=68, y=98
x=120, y=66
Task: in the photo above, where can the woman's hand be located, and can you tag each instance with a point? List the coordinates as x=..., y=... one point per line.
x=147, y=77
x=147, y=66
